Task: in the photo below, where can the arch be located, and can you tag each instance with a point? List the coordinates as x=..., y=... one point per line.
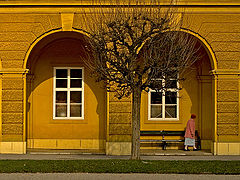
x=213, y=62
x=37, y=40
x=203, y=42
x=197, y=93
x=206, y=45
x=39, y=59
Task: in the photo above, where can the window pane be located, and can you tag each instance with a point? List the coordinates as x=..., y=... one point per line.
x=156, y=111
x=76, y=83
x=156, y=98
x=61, y=73
x=170, y=111
x=75, y=96
x=76, y=73
x=61, y=97
x=171, y=97
x=61, y=111
x=75, y=110
x=61, y=83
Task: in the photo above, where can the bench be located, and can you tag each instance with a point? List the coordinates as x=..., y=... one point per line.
x=164, y=141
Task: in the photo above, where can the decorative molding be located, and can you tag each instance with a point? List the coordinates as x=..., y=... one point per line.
x=14, y=71
x=67, y=21
x=112, y=3
x=225, y=72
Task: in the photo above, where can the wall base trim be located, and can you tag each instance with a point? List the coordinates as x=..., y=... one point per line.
x=13, y=147
x=226, y=148
x=112, y=148
x=118, y=148
x=66, y=144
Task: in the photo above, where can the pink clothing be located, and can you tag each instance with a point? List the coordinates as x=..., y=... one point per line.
x=190, y=129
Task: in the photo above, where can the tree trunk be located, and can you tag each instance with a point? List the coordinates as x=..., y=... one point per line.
x=136, y=104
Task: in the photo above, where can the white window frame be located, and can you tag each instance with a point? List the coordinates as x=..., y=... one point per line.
x=163, y=118
x=68, y=89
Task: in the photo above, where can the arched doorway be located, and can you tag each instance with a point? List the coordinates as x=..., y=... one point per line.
x=196, y=95
x=66, y=108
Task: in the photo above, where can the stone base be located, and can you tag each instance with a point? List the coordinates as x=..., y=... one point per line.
x=227, y=148
x=13, y=147
x=66, y=144
x=118, y=148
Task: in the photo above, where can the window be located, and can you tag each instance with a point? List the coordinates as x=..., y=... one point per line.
x=68, y=95
x=164, y=104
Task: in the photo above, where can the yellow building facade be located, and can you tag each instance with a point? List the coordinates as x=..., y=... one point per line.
x=50, y=101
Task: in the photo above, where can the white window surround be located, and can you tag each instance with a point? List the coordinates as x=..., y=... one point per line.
x=163, y=118
x=68, y=90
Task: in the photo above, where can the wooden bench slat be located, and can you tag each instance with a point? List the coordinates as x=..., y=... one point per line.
x=161, y=133
x=150, y=140
x=161, y=140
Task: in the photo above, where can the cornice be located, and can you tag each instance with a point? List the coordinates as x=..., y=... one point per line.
x=17, y=3
x=225, y=72
x=14, y=71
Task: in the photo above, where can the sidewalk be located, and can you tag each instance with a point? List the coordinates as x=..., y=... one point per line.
x=160, y=155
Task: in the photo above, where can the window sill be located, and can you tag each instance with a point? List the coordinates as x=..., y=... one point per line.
x=68, y=121
x=159, y=119
x=62, y=118
x=163, y=121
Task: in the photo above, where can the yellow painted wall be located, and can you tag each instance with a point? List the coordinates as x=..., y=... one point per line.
x=66, y=52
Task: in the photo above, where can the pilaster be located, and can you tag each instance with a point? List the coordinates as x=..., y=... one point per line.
x=227, y=111
x=119, y=125
x=13, y=132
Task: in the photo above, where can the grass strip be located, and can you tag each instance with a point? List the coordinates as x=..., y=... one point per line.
x=119, y=166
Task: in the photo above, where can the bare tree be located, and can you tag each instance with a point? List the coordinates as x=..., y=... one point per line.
x=134, y=47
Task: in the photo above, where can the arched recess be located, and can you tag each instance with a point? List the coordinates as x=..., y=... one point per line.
x=198, y=96
x=206, y=46
x=204, y=80
x=47, y=34
x=47, y=127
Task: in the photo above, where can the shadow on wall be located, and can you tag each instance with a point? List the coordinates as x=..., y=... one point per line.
x=198, y=81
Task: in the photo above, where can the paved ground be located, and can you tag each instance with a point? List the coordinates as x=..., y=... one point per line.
x=168, y=156
x=86, y=176
x=172, y=152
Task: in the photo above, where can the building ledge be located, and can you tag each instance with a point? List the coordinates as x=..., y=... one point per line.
x=112, y=2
